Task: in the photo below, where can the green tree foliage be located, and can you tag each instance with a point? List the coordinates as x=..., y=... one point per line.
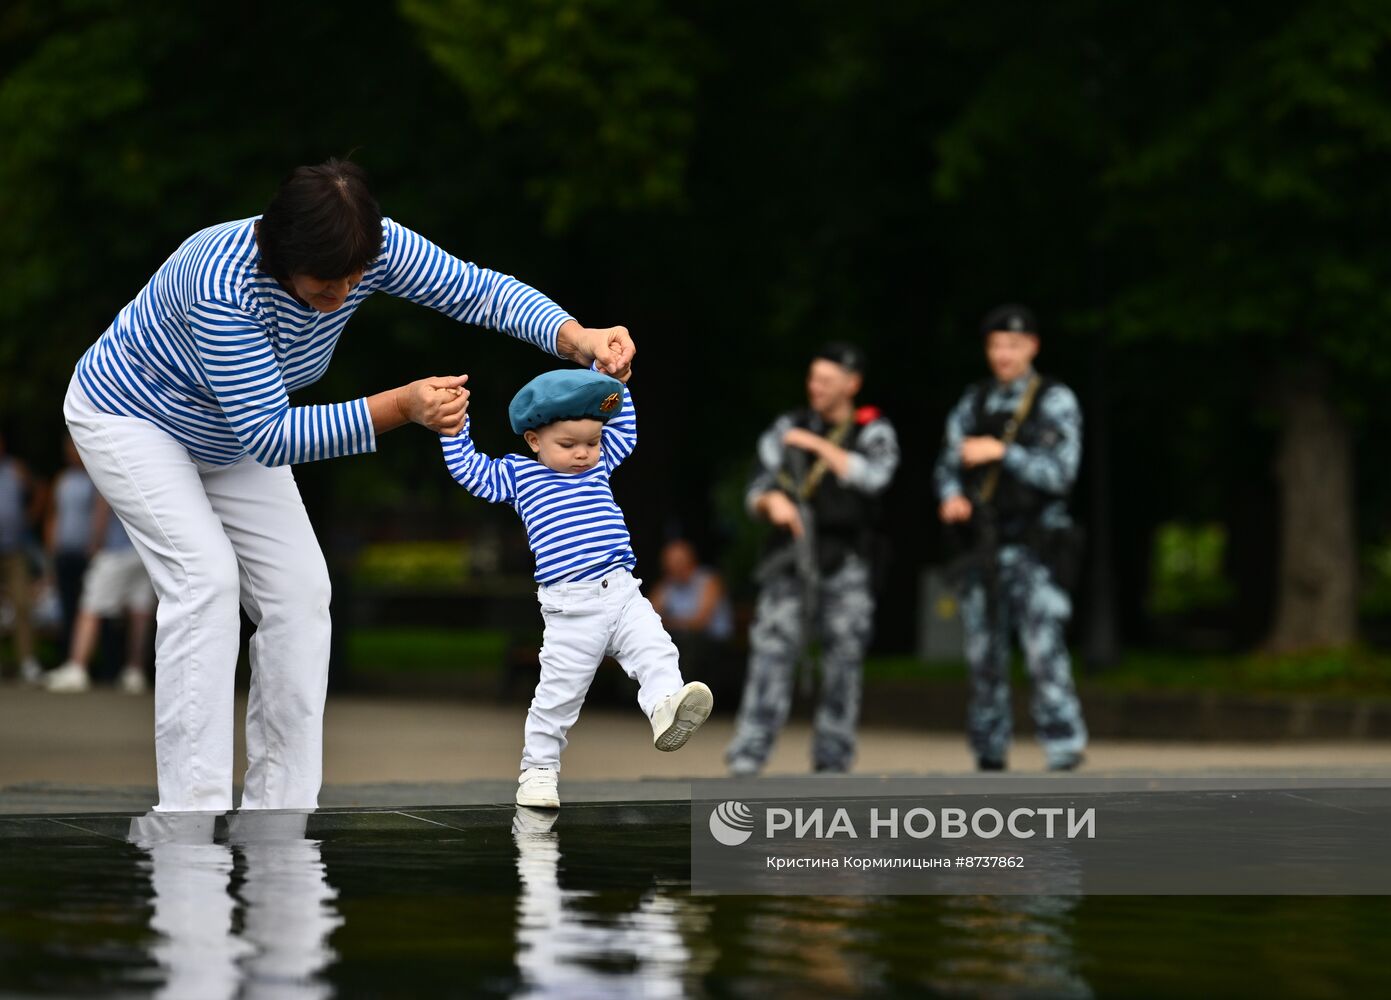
x=594, y=96
x=1189, y=195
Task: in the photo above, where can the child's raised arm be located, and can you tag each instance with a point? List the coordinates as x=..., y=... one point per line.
x=491, y=479
x=620, y=435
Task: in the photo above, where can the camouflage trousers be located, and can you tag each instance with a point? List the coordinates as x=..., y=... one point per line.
x=844, y=621
x=1026, y=600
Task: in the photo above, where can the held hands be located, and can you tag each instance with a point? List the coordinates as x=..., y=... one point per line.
x=981, y=451
x=611, y=347
x=781, y=512
x=955, y=510
x=438, y=403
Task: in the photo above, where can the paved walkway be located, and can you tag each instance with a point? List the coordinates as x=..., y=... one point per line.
x=100, y=744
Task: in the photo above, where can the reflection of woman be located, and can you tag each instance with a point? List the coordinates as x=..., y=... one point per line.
x=287, y=914
x=182, y=416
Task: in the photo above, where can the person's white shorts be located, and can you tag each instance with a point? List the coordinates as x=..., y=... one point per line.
x=116, y=583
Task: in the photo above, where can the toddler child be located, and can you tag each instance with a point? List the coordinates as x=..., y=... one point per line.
x=579, y=426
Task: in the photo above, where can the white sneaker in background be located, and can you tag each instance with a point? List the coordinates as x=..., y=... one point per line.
x=31, y=671
x=743, y=767
x=679, y=715
x=537, y=788
x=70, y=678
x=132, y=679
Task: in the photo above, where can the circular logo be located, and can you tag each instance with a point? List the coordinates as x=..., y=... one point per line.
x=731, y=823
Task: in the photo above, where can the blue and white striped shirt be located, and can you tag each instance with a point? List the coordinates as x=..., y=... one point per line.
x=212, y=347
x=573, y=525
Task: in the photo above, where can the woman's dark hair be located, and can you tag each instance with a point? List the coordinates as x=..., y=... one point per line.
x=322, y=222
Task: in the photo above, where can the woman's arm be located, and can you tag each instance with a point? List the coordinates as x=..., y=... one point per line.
x=424, y=273
x=244, y=376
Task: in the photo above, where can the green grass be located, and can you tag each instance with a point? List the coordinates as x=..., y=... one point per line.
x=1353, y=672
x=406, y=650
x=1357, y=672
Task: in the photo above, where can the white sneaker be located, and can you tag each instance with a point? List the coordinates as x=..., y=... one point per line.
x=678, y=715
x=132, y=680
x=31, y=671
x=536, y=788
x=70, y=678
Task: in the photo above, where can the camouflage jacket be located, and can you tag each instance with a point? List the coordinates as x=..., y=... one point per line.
x=1047, y=464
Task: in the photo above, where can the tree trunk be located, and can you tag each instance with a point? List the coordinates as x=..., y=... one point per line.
x=1316, y=597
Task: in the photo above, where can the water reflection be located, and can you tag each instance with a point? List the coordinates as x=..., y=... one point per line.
x=566, y=948
x=287, y=911
x=1016, y=945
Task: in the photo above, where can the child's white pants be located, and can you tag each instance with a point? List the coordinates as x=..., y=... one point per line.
x=212, y=537
x=584, y=623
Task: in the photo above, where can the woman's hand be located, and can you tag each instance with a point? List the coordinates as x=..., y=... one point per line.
x=438, y=403
x=612, y=348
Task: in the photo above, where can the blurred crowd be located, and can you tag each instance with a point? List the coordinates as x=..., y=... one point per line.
x=69, y=575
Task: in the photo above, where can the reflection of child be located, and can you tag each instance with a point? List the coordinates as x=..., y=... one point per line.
x=580, y=425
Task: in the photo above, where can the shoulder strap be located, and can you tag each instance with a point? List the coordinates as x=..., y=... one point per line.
x=837, y=436
x=807, y=488
x=1016, y=421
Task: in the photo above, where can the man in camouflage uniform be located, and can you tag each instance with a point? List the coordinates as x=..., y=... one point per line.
x=818, y=476
x=1010, y=457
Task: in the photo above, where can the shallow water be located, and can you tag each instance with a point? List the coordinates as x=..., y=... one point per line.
x=491, y=901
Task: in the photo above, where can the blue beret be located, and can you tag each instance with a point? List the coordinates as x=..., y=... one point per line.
x=565, y=394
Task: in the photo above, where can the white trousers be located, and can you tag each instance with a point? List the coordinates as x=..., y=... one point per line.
x=584, y=623
x=212, y=537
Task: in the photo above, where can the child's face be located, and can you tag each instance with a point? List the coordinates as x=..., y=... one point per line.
x=567, y=445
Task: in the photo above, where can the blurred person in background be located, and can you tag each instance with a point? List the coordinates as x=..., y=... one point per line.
x=71, y=535
x=20, y=503
x=1010, y=455
x=115, y=583
x=695, y=608
x=181, y=412
x=690, y=597
x=819, y=474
